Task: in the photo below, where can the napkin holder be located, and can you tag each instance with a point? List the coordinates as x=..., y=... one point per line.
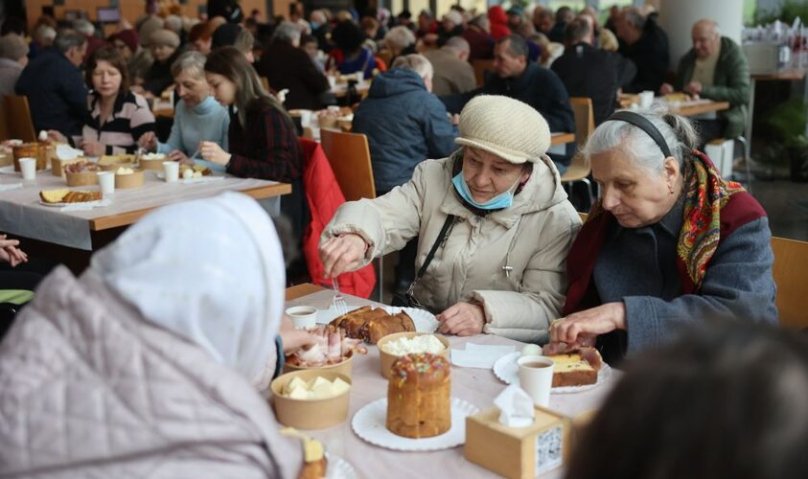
x=520, y=452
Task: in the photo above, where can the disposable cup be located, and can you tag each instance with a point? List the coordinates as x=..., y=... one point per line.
x=106, y=179
x=172, y=171
x=28, y=168
x=536, y=378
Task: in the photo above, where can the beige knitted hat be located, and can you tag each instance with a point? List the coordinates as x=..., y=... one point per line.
x=508, y=128
x=164, y=37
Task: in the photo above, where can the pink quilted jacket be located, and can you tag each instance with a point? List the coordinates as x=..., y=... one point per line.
x=90, y=389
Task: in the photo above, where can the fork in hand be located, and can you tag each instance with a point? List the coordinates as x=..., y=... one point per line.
x=338, y=302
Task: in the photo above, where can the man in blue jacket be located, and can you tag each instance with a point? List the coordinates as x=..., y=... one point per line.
x=527, y=82
x=55, y=87
x=405, y=125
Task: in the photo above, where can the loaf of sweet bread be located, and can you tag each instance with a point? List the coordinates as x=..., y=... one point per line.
x=371, y=324
x=577, y=367
x=419, y=396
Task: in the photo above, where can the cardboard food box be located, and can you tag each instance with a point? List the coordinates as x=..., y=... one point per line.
x=309, y=413
x=524, y=452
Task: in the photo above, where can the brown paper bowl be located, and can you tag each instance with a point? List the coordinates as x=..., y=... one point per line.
x=341, y=368
x=132, y=180
x=386, y=360
x=155, y=164
x=83, y=178
x=116, y=160
x=310, y=413
x=58, y=165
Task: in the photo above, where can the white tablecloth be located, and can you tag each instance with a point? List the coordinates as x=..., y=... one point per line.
x=477, y=386
x=22, y=214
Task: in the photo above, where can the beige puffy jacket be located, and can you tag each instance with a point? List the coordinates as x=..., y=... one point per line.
x=532, y=237
x=90, y=389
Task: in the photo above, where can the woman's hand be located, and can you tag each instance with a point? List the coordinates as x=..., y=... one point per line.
x=178, y=155
x=462, y=319
x=9, y=253
x=294, y=339
x=211, y=151
x=92, y=148
x=56, y=137
x=148, y=141
x=342, y=253
x=583, y=327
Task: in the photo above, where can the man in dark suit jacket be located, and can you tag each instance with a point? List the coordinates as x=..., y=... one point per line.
x=527, y=82
x=288, y=67
x=587, y=71
x=55, y=87
x=646, y=44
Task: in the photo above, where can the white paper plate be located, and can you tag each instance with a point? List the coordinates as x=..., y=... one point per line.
x=506, y=370
x=339, y=468
x=78, y=204
x=369, y=424
x=425, y=322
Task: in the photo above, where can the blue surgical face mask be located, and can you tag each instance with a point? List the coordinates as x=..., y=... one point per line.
x=499, y=202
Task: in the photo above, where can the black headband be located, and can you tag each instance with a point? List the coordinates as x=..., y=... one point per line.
x=643, y=124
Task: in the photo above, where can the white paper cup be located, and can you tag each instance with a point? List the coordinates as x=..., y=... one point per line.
x=303, y=317
x=646, y=99
x=536, y=378
x=172, y=171
x=106, y=179
x=28, y=168
x=332, y=81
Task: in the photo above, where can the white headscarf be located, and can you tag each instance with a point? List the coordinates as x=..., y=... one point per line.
x=209, y=270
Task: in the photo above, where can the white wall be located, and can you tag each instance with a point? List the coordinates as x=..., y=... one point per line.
x=678, y=16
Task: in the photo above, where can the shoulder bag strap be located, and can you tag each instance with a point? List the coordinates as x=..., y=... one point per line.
x=444, y=231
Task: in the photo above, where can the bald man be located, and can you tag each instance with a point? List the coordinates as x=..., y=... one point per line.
x=716, y=69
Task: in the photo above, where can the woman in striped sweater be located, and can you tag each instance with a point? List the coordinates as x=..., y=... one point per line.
x=116, y=116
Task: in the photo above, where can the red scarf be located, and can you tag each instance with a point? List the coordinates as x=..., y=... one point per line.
x=713, y=209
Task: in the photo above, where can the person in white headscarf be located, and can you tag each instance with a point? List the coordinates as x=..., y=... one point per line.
x=145, y=365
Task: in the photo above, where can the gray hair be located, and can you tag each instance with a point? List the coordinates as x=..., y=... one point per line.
x=13, y=47
x=83, y=26
x=192, y=62
x=415, y=62
x=677, y=131
x=44, y=32
x=173, y=23
x=634, y=18
x=481, y=21
x=399, y=37
x=458, y=44
x=287, y=32
x=245, y=41
x=67, y=39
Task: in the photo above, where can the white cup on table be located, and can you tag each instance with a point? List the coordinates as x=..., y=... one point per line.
x=171, y=169
x=646, y=99
x=28, y=168
x=106, y=180
x=303, y=317
x=536, y=378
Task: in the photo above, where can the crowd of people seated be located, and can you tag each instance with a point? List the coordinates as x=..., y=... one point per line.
x=469, y=190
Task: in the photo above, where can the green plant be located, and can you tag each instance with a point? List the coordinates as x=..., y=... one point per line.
x=788, y=122
x=790, y=10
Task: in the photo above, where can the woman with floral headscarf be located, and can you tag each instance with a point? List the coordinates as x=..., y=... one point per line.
x=668, y=243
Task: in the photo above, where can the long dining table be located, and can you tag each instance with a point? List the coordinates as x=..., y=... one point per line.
x=73, y=232
x=474, y=385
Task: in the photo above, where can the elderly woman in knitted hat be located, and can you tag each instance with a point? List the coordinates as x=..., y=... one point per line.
x=164, y=46
x=668, y=243
x=493, y=222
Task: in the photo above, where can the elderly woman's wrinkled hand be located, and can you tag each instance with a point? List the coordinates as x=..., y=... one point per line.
x=179, y=155
x=342, y=253
x=92, y=148
x=582, y=327
x=462, y=319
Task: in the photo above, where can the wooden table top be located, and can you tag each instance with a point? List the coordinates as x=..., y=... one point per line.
x=561, y=138
x=699, y=107
x=786, y=75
